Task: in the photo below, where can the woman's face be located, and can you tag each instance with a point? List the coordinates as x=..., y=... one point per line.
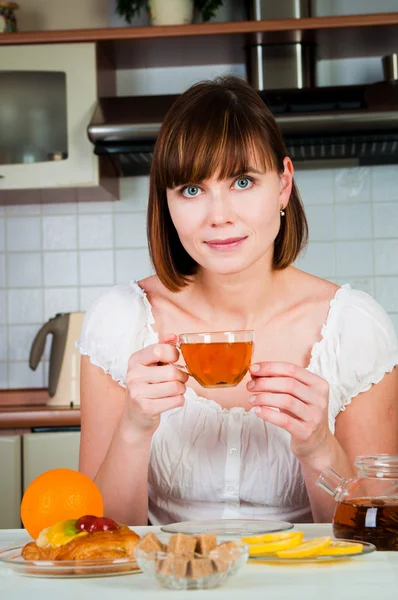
x=226, y=226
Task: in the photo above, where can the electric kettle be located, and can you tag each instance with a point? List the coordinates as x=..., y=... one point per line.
x=64, y=368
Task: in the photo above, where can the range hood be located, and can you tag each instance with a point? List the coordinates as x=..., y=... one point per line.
x=324, y=126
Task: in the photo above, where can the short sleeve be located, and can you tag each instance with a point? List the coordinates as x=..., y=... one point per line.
x=117, y=324
x=359, y=347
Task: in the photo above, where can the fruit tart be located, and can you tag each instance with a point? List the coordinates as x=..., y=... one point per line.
x=87, y=538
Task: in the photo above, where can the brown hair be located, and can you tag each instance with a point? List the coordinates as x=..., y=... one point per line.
x=215, y=126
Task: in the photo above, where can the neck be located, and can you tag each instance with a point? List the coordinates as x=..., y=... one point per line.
x=240, y=300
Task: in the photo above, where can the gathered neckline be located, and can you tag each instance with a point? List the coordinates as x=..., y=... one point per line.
x=153, y=337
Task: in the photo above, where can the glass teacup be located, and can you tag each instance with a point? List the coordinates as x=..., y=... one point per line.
x=219, y=358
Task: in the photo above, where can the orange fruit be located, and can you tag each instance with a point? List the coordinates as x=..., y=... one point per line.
x=58, y=495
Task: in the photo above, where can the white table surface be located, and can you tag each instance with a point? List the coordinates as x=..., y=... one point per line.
x=372, y=577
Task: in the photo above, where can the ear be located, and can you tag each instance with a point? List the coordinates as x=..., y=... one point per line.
x=286, y=179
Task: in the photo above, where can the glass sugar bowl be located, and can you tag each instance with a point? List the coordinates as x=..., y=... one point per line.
x=366, y=505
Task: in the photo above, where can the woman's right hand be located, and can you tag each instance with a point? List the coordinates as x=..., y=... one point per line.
x=154, y=384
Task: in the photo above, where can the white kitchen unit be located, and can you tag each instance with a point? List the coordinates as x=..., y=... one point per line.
x=49, y=450
x=48, y=93
x=25, y=457
x=10, y=481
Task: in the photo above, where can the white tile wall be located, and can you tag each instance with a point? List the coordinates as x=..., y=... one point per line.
x=65, y=255
x=56, y=258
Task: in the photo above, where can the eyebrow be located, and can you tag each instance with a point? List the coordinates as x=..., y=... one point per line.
x=248, y=170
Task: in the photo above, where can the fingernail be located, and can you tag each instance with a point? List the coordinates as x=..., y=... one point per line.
x=255, y=368
x=250, y=385
x=252, y=399
x=257, y=409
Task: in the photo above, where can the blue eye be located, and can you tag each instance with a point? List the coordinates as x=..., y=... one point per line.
x=191, y=191
x=243, y=183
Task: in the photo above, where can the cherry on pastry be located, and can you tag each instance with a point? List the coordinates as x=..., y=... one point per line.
x=105, y=524
x=86, y=523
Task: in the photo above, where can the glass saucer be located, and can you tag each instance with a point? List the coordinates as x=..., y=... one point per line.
x=273, y=558
x=228, y=527
x=12, y=559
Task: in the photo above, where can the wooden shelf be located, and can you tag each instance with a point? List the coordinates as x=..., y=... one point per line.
x=212, y=43
x=233, y=27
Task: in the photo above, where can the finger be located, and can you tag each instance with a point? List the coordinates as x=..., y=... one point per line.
x=154, y=354
x=284, y=402
x=283, y=385
x=284, y=369
x=156, y=407
x=158, y=391
x=169, y=338
x=159, y=374
x=290, y=424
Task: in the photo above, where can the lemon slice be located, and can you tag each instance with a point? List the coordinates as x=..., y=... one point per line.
x=270, y=537
x=272, y=547
x=336, y=547
x=310, y=548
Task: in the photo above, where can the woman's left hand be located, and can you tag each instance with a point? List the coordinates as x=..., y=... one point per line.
x=301, y=398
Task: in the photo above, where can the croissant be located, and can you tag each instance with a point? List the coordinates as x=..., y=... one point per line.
x=118, y=543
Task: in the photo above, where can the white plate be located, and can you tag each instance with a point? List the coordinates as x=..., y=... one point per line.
x=231, y=527
x=11, y=558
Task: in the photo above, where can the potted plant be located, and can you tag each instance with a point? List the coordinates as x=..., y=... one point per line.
x=170, y=12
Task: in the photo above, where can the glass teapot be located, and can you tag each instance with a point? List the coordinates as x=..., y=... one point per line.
x=367, y=504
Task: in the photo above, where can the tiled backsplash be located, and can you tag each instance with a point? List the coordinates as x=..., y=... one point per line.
x=57, y=258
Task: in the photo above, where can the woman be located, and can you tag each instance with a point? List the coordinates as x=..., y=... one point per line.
x=225, y=224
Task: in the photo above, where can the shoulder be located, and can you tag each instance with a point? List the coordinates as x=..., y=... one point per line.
x=359, y=343
x=121, y=305
x=359, y=315
x=115, y=325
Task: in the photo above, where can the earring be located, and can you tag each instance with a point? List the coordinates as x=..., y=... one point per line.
x=282, y=210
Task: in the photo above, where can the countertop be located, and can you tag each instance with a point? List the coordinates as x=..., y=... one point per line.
x=365, y=578
x=28, y=408
x=19, y=417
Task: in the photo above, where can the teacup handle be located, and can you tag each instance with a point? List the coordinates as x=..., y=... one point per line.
x=182, y=368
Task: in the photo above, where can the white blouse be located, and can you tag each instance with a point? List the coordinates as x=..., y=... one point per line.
x=208, y=462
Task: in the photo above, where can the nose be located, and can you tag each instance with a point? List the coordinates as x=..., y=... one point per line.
x=220, y=209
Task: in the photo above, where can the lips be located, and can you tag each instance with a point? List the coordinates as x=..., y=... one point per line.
x=226, y=244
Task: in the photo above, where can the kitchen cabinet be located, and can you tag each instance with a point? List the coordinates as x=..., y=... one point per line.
x=49, y=450
x=48, y=95
x=10, y=481
x=25, y=457
x=42, y=15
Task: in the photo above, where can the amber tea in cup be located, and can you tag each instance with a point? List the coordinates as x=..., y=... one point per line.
x=217, y=359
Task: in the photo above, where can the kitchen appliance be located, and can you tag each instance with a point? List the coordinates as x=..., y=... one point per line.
x=327, y=126
x=64, y=368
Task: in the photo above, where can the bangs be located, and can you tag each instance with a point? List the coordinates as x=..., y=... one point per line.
x=214, y=137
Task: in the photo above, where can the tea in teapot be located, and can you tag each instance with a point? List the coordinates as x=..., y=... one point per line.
x=367, y=505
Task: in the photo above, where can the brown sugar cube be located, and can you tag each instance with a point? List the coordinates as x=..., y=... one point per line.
x=206, y=542
x=200, y=567
x=181, y=544
x=150, y=543
x=219, y=566
x=227, y=546
x=173, y=565
x=225, y=550
x=222, y=554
